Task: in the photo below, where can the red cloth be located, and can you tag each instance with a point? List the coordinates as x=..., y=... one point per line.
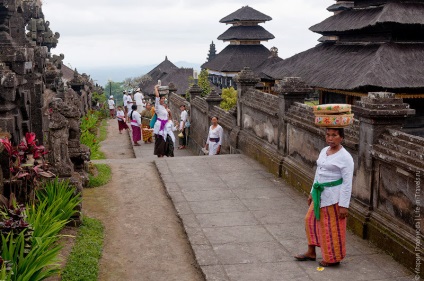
x=122, y=125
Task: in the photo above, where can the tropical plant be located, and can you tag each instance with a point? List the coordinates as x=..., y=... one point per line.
x=204, y=82
x=229, y=98
x=26, y=166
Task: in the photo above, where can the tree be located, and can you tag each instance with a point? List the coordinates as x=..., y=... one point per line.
x=133, y=83
x=229, y=98
x=203, y=82
x=117, y=89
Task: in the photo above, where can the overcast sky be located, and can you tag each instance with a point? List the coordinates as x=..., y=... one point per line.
x=104, y=33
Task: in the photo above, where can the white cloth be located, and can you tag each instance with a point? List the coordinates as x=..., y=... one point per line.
x=129, y=103
x=125, y=98
x=135, y=118
x=120, y=114
x=169, y=130
x=183, y=119
x=138, y=98
x=331, y=168
x=218, y=132
x=162, y=114
x=111, y=104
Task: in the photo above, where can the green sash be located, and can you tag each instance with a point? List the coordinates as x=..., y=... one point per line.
x=317, y=189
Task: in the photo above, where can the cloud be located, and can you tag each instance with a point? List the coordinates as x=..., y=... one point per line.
x=134, y=32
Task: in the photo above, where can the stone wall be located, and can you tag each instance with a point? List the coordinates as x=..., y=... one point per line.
x=279, y=132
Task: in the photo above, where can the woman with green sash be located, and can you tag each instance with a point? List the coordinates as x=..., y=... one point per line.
x=325, y=221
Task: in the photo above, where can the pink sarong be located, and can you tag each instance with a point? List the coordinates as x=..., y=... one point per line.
x=136, y=133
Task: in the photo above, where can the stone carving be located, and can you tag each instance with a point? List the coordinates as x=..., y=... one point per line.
x=59, y=139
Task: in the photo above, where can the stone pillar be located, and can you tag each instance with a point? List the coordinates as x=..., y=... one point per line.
x=213, y=99
x=290, y=90
x=195, y=91
x=376, y=112
x=246, y=81
x=172, y=89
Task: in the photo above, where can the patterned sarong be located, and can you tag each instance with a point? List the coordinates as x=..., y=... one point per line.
x=147, y=134
x=329, y=232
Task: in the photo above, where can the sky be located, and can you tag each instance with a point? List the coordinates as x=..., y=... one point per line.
x=130, y=33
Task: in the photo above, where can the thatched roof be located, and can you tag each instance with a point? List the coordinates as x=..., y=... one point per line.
x=246, y=33
x=68, y=73
x=341, y=6
x=402, y=13
x=389, y=66
x=246, y=13
x=235, y=57
x=168, y=72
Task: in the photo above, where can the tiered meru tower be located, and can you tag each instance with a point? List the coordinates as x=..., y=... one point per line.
x=367, y=45
x=245, y=49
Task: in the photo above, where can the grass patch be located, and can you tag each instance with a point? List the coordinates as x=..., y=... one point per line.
x=97, y=155
x=102, y=177
x=83, y=262
x=103, y=130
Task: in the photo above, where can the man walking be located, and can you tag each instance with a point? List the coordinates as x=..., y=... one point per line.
x=138, y=98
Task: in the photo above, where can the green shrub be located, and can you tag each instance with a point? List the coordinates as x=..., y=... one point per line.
x=104, y=174
x=56, y=205
x=83, y=262
x=229, y=98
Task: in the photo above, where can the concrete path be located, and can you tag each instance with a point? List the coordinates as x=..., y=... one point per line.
x=144, y=239
x=245, y=225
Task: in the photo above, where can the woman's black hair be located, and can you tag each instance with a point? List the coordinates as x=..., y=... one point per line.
x=339, y=130
x=134, y=107
x=215, y=117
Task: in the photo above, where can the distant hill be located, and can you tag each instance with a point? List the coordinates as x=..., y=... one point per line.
x=118, y=74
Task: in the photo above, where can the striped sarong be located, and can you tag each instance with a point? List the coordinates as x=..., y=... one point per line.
x=329, y=232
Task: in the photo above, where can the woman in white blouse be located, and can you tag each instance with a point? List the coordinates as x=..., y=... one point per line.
x=325, y=221
x=159, y=128
x=214, y=141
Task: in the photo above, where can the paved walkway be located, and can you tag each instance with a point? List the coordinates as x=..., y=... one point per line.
x=243, y=224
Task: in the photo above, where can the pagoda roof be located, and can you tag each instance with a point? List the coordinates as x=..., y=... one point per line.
x=388, y=66
x=178, y=76
x=246, y=33
x=245, y=13
x=234, y=58
x=341, y=6
x=164, y=67
x=355, y=19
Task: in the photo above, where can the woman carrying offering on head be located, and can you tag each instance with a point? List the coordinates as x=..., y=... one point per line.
x=135, y=118
x=159, y=128
x=214, y=141
x=325, y=221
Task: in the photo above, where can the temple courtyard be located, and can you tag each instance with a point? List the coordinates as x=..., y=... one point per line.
x=210, y=218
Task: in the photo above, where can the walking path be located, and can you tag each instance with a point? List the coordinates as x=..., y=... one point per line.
x=245, y=225
x=144, y=239
x=242, y=223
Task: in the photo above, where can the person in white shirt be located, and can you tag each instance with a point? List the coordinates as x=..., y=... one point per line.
x=162, y=118
x=169, y=129
x=138, y=99
x=129, y=106
x=135, y=118
x=325, y=221
x=183, y=120
x=120, y=115
x=214, y=141
x=111, y=104
x=125, y=97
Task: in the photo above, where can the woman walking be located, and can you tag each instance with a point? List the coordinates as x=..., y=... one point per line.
x=170, y=127
x=120, y=115
x=135, y=118
x=111, y=104
x=325, y=221
x=214, y=141
x=162, y=119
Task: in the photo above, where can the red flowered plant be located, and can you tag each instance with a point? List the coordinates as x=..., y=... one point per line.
x=26, y=161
